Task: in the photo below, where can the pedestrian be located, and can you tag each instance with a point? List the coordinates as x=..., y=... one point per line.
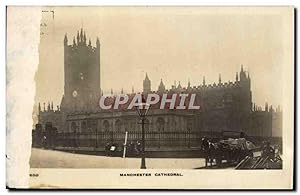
x=204, y=149
x=138, y=147
x=107, y=148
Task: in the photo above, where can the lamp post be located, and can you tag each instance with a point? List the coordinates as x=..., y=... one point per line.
x=142, y=110
x=75, y=136
x=96, y=138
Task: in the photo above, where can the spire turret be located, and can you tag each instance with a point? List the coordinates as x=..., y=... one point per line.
x=98, y=42
x=236, y=76
x=161, y=87
x=203, y=82
x=243, y=76
x=81, y=35
x=220, y=79
x=66, y=40
x=39, y=107
x=266, y=107
x=147, y=78
x=146, y=84
x=179, y=85
x=189, y=84
x=84, y=37
x=78, y=37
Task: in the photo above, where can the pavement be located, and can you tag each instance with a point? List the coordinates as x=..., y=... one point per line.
x=41, y=158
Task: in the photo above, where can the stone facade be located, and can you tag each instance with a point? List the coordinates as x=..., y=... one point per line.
x=224, y=106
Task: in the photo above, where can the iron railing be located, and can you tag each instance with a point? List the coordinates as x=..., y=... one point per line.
x=154, y=139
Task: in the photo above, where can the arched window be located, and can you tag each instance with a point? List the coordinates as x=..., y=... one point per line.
x=106, y=125
x=160, y=124
x=118, y=125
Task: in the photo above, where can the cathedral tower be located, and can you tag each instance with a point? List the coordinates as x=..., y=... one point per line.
x=82, y=72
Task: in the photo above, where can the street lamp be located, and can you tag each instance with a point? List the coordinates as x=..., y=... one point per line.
x=77, y=138
x=96, y=132
x=142, y=110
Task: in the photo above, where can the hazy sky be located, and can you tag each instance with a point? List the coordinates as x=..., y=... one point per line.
x=170, y=43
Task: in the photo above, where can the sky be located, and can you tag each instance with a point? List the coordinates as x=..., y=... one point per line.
x=169, y=43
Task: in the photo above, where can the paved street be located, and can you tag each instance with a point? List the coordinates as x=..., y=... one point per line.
x=41, y=158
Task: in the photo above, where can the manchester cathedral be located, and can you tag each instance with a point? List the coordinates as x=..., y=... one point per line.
x=224, y=106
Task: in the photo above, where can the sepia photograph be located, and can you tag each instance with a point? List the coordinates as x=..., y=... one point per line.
x=154, y=94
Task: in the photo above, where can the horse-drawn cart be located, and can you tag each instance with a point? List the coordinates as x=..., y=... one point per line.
x=239, y=152
x=226, y=151
x=230, y=149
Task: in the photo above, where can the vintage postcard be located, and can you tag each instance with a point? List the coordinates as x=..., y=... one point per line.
x=150, y=97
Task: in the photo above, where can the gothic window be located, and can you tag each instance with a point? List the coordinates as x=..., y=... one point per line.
x=118, y=125
x=106, y=125
x=160, y=124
